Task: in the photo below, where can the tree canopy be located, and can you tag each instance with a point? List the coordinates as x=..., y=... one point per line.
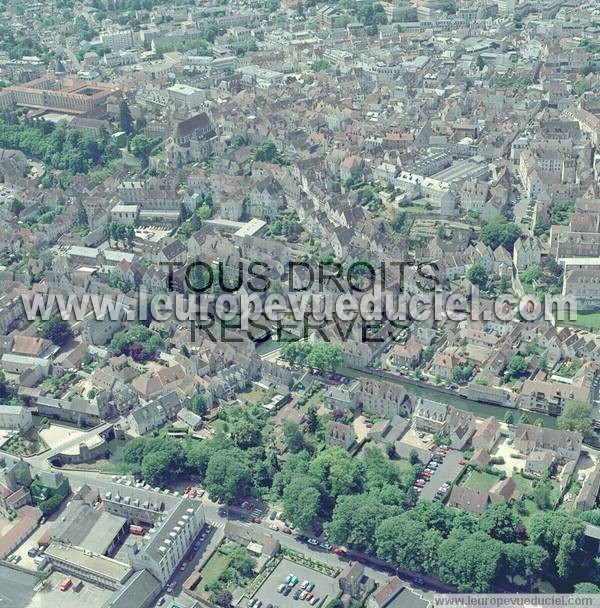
x=500, y=231
x=58, y=146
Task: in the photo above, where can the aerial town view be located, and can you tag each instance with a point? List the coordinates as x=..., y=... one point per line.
x=299, y=303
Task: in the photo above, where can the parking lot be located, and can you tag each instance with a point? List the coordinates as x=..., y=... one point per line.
x=446, y=472
x=325, y=587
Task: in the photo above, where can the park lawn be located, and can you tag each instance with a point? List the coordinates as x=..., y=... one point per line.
x=316, y=399
x=213, y=569
x=480, y=480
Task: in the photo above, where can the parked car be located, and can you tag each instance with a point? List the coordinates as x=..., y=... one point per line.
x=310, y=587
x=313, y=541
x=274, y=527
x=286, y=530
x=303, y=595
x=281, y=588
x=296, y=595
x=314, y=601
x=286, y=591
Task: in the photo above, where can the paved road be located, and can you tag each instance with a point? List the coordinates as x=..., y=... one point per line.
x=102, y=482
x=16, y=588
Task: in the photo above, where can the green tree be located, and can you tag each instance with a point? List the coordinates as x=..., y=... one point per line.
x=462, y=373
x=336, y=473
x=293, y=437
x=57, y=330
x=542, y=494
x=408, y=543
x=577, y=416
x=325, y=356
x=586, y=588
x=500, y=231
x=469, y=562
x=134, y=450
x=228, y=476
x=517, y=366
x=312, y=419
x=499, y=522
x=242, y=562
x=266, y=152
x=224, y=598
x=530, y=274
x=141, y=147
x=524, y=561
x=355, y=520
x=477, y=274
x=301, y=502
x=561, y=535
x=509, y=418
x=399, y=221
x=198, y=405
x=246, y=431
x=125, y=118
x=320, y=65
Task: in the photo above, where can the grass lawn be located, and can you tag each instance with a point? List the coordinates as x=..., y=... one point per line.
x=315, y=399
x=588, y=320
x=480, y=480
x=215, y=566
x=254, y=396
x=526, y=487
x=523, y=485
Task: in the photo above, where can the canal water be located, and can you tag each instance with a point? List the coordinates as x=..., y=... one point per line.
x=481, y=410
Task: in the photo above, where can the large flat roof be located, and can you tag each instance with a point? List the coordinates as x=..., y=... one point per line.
x=105, y=567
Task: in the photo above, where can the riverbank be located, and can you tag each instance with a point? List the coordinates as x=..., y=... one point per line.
x=449, y=397
x=442, y=394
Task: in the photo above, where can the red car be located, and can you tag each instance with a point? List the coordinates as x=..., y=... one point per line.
x=256, y=520
x=339, y=551
x=286, y=530
x=462, y=461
